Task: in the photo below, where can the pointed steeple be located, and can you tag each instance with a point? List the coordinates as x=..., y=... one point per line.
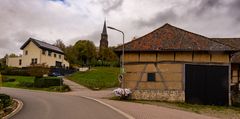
x=104, y=28
x=104, y=37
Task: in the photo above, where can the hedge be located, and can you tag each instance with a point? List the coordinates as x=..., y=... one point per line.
x=63, y=88
x=46, y=82
x=37, y=71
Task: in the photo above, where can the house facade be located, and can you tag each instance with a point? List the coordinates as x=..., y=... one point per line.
x=38, y=52
x=172, y=64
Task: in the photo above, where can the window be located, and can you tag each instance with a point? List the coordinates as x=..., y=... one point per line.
x=60, y=56
x=43, y=52
x=55, y=55
x=34, y=61
x=49, y=53
x=151, y=77
x=20, y=62
x=26, y=52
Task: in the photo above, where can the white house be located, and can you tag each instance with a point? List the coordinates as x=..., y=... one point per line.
x=38, y=52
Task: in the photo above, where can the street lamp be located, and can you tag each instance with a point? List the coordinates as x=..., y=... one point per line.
x=122, y=70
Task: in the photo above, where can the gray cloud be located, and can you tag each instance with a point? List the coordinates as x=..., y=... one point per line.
x=95, y=36
x=109, y=5
x=234, y=9
x=206, y=6
x=161, y=17
x=73, y=20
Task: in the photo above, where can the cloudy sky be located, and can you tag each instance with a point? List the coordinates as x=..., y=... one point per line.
x=72, y=20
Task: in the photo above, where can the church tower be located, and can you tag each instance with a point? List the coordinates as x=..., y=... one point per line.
x=104, y=37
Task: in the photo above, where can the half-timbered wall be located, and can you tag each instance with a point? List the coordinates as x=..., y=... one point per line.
x=168, y=68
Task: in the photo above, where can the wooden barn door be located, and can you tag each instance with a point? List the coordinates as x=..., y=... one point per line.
x=207, y=84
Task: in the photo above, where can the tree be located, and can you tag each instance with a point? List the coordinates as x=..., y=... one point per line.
x=85, y=52
x=3, y=61
x=12, y=55
x=107, y=54
x=59, y=43
x=70, y=54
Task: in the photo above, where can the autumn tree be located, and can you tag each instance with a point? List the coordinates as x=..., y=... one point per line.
x=107, y=54
x=85, y=52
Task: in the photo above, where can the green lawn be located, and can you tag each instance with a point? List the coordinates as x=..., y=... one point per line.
x=29, y=79
x=97, y=77
x=25, y=81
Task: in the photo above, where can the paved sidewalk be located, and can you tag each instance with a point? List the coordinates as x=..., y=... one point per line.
x=137, y=110
x=83, y=91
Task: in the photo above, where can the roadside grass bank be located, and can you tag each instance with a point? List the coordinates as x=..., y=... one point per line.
x=27, y=82
x=222, y=112
x=97, y=78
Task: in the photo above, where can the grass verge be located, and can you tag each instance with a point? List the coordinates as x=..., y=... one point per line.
x=222, y=112
x=97, y=78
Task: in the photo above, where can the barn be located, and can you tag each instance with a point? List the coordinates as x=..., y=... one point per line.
x=172, y=64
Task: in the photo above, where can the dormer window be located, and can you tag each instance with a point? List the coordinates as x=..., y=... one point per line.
x=49, y=53
x=43, y=52
x=26, y=52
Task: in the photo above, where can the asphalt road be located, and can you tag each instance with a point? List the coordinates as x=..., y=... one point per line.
x=48, y=105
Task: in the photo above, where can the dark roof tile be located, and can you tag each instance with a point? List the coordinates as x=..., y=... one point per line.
x=171, y=38
x=233, y=42
x=42, y=45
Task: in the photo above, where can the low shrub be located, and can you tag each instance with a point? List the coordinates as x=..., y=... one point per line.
x=4, y=79
x=46, y=82
x=63, y=88
x=105, y=64
x=15, y=72
x=25, y=84
x=37, y=71
x=5, y=100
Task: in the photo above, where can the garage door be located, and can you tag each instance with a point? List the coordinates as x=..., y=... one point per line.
x=206, y=84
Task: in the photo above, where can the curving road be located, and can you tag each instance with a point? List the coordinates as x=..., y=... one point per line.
x=48, y=105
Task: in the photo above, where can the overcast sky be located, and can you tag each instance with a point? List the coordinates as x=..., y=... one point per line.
x=72, y=20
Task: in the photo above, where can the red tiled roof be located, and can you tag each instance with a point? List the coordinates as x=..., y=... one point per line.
x=171, y=38
x=233, y=42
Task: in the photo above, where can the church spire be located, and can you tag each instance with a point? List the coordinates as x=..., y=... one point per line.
x=104, y=28
x=104, y=37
